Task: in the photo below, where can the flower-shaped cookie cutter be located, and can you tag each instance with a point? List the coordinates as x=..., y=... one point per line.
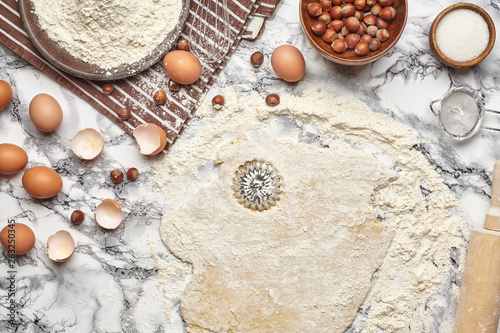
x=257, y=185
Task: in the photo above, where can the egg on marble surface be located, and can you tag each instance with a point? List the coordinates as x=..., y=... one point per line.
x=45, y=113
x=288, y=63
x=18, y=237
x=12, y=159
x=5, y=94
x=42, y=182
x=182, y=66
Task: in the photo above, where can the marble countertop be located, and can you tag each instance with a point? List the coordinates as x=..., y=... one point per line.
x=111, y=282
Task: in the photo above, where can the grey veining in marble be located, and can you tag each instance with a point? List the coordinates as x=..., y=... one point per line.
x=110, y=283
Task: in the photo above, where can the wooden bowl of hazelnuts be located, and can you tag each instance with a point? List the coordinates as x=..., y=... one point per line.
x=353, y=32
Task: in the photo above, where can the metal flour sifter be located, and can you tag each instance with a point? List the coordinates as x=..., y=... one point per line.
x=461, y=113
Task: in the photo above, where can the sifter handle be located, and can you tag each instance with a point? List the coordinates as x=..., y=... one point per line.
x=432, y=107
x=492, y=220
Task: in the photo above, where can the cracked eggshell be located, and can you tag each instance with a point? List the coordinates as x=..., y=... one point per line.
x=150, y=138
x=60, y=246
x=87, y=144
x=108, y=214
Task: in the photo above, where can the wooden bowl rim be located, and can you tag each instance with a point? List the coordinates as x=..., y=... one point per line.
x=484, y=54
x=337, y=58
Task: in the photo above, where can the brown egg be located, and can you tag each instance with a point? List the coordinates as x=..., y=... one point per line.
x=17, y=237
x=12, y=159
x=288, y=63
x=182, y=66
x=42, y=182
x=45, y=113
x=5, y=94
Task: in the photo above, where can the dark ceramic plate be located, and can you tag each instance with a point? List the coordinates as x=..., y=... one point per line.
x=63, y=60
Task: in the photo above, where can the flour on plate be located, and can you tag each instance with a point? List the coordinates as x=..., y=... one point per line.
x=421, y=239
x=108, y=33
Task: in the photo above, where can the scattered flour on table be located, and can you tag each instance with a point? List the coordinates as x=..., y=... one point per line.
x=414, y=284
x=108, y=33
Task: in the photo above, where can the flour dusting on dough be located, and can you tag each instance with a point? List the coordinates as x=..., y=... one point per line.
x=415, y=204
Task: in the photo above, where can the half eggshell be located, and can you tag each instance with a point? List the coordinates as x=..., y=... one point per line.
x=108, y=214
x=60, y=246
x=87, y=144
x=150, y=138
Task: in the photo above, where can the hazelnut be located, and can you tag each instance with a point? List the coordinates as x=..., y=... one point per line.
x=327, y=36
x=173, y=86
x=344, y=31
x=359, y=15
x=77, y=217
x=116, y=176
x=107, y=89
x=337, y=25
x=366, y=9
x=339, y=45
x=375, y=10
x=348, y=1
x=381, y=24
x=326, y=4
x=385, y=3
x=314, y=9
x=335, y=13
x=374, y=44
x=347, y=10
x=124, y=113
x=336, y=36
x=366, y=38
x=359, y=4
x=383, y=35
x=370, y=19
x=388, y=14
x=336, y=2
x=272, y=100
x=361, y=30
x=160, y=97
x=257, y=58
x=372, y=31
x=218, y=102
x=352, y=39
x=183, y=44
x=318, y=28
x=361, y=49
x=132, y=174
x=371, y=3
x=325, y=17
x=352, y=24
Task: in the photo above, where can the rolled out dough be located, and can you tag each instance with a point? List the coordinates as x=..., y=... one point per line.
x=304, y=265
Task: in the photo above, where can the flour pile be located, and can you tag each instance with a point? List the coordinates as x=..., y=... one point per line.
x=108, y=33
x=250, y=275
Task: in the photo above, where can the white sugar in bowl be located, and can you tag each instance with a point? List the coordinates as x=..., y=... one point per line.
x=462, y=35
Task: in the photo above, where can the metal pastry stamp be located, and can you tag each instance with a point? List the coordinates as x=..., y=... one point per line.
x=257, y=185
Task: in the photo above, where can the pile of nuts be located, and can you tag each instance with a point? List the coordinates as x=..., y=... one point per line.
x=359, y=25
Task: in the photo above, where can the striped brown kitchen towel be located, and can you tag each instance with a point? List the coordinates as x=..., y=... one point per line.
x=136, y=92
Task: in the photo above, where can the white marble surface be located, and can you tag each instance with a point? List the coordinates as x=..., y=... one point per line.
x=110, y=284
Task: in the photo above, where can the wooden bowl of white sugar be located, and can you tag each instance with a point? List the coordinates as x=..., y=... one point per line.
x=462, y=35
